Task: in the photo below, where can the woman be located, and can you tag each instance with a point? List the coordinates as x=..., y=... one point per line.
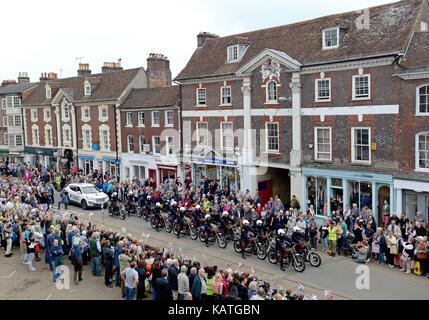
x=392, y=245
x=156, y=273
x=357, y=233
x=408, y=255
x=253, y=289
x=31, y=249
x=141, y=271
x=218, y=286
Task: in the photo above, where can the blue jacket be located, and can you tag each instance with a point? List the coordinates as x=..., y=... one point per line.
x=173, y=272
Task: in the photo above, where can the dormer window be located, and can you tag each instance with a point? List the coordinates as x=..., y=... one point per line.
x=48, y=92
x=331, y=38
x=87, y=88
x=235, y=53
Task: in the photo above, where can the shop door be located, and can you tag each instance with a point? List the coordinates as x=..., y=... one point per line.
x=152, y=176
x=265, y=191
x=383, y=194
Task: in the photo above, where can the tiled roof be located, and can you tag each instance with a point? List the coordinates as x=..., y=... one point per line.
x=418, y=51
x=16, y=88
x=110, y=86
x=151, y=98
x=389, y=29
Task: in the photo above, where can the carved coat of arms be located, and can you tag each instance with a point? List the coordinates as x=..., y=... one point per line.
x=270, y=69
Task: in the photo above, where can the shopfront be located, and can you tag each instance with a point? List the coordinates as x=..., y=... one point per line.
x=331, y=190
x=40, y=156
x=225, y=171
x=112, y=166
x=86, y=163
x=412, y=198
x=167, y=172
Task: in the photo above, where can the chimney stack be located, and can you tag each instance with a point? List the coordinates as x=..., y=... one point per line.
x=83, y=70
x=112, y=66
x=23, y=77
x=158, y=71
x=6, y=83
x=48, y=76
x=203, y=36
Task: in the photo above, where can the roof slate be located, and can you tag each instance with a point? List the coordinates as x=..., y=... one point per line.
x=389, y=29
x=151, y=98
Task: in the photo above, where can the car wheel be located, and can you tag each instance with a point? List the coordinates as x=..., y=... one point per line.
x=84, y=205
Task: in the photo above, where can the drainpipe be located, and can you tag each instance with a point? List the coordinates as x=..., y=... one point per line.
x=116, y=144
x=180, y=126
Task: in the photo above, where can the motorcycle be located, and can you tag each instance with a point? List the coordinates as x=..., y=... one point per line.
x=117, y=210
x=154, y=221
x=304, y=249
x=133, y=208
x=252, y=246
x=290, y=257
x=169, y=222
x=214, y=236
x=186, y=229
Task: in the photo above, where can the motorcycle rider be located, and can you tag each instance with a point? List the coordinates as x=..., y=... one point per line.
x=197, y=215
x=157, y=215
x=246, y=232
x=297, y=235
x=259, y=230
x=224, y=222
x=280, y=244
x=114, y=203
x=208, y=230
x=180, y=220
x=148, y=204
x=130, y=202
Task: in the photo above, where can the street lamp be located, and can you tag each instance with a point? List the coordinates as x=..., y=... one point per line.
x=236, y=158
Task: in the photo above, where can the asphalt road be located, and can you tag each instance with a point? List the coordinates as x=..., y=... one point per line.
x=336, y=274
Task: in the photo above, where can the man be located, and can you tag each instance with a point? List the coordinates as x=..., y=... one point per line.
x=198, y=289
x=394, y=228
x=192, y=276
x=94, y=254
x=124, y=262
x=77, y=259
x=163, y=287
x=130, y=278
x=7, y=236
x=173, y=273
x=108, y=254
x=332, y=238
x=183, y=283
x=295, y=203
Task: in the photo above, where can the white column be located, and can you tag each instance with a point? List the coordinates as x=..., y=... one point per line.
x=296, y=153
x=374, y=200
x=74, y=129
x=398, y=201
x=248, y=174
x=59, y=134
x=118, y=126
x=328, y=196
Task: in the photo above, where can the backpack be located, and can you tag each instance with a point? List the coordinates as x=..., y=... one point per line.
x=75, y=253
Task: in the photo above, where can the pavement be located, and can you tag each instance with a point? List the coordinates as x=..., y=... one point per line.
x=339, y=274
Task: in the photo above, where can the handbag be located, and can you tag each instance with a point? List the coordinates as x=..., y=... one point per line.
x=375, y=248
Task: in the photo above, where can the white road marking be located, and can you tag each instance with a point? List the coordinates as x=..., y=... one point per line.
x=9, y=276
x=49, y=297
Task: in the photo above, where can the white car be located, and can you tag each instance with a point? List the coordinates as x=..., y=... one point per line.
x=86, y=195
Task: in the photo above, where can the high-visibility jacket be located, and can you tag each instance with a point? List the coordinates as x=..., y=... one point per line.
x=332, y=233
x=209, y=286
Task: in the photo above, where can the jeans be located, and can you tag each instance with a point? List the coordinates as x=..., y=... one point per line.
x=181, y=297
x=55, y=274
x=129, y=293
x=381, y=258
x=30, y=258
x=95, y=266
x=118, y=277
x=108, y=272
x=324, y=243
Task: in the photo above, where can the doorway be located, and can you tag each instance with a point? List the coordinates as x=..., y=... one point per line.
x=383, y=194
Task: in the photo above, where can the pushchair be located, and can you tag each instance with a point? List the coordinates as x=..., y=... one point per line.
x=348, y=248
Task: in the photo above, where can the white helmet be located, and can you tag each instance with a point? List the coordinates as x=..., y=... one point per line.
x=114, y=194
x=225, y=213
x=207, y=216
x=296, y=229
x=246, y=222
x=149, y=197
x=281, y=232
x=158, y=204
x=259, y=223
x=130, y=193
x=182, y=209
x=197, y=206
x=173, y=203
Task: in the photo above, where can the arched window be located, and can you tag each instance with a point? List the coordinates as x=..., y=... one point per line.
x=272, y=91
x=423, y=100
x=422, y=151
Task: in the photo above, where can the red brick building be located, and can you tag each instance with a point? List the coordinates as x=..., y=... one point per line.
x=331, y=110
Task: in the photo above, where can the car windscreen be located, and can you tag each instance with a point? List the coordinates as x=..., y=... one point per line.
x=90, y=190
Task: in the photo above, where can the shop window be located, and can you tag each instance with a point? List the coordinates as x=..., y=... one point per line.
x=360, y=193
x=317, y=194
x=411, y=200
